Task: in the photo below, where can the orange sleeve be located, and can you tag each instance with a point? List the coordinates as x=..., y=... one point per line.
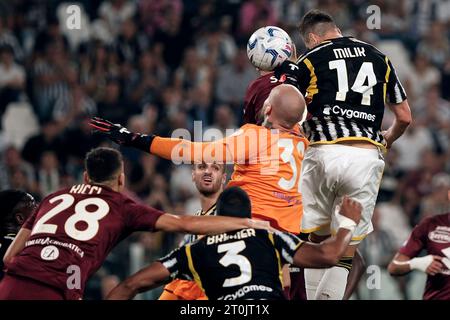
x=227, y=150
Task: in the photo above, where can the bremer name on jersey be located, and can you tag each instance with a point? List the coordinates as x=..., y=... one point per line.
x=73, y=230
x=346, y=83
x=433, y=235
x=244, y=264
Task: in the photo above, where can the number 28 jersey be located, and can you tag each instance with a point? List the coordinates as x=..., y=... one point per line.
x=346, y=83
x=239, y=265
x=73, y=230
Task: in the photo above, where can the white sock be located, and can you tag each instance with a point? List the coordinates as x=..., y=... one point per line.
x=333, y=283
x=312, y=280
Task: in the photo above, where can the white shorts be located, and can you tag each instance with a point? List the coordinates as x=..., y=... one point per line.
x=329, y=172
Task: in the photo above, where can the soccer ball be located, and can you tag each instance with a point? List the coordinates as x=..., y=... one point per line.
x=268, y=47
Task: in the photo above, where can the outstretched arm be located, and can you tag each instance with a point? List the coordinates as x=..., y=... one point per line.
x=184, y=151
x=175, y=263
x=231, y=149
x=323, y=255
x=148, y=278
x=205, y=225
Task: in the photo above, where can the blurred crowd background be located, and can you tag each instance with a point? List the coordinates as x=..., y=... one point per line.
x=159, y=65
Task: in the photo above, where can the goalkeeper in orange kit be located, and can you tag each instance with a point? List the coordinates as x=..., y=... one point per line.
x=267, y=159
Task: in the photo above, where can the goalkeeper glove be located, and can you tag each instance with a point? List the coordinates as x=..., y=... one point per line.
x=287, y=72
x=121, y=135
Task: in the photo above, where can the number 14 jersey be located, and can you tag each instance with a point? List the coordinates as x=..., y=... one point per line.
x=346, y=83
x=72, y=232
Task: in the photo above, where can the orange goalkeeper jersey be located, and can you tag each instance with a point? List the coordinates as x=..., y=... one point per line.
x=267, y=165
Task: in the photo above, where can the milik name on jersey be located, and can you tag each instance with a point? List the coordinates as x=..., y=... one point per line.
x=349, y=52
x=337, y=110
x=245, y=233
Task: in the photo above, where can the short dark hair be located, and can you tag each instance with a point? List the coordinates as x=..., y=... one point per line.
x=102, y=164
x=234, y=202
x=312, y=18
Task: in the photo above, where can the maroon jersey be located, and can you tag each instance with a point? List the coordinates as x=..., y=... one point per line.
x=73, y=230
x=257, y=93
x=432, y=235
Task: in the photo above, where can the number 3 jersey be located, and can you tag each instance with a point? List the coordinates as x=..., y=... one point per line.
x=346, y=83
x=73, y=230
x=244, y=264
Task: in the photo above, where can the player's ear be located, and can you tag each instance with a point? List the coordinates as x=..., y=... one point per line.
x=20, y=219
x=121, y=181
x=86, y=179
x=293, y=57
x=224, y=177
x=268, y=110
x=312, y=40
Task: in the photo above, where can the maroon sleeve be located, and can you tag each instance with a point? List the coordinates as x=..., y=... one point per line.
x=249, y=105
x=140, y=217
x=417, y=240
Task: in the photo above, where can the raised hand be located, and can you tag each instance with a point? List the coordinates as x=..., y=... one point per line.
x=113, y=131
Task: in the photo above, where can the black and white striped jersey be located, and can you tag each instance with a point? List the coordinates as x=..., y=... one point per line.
x=346, y=83
x=190, y=238
x=236, y=265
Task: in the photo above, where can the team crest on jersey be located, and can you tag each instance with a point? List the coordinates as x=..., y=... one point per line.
x=440, y=235
x=49, y=253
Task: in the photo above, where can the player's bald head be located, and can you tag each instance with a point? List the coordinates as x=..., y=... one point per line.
x=287, y=105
